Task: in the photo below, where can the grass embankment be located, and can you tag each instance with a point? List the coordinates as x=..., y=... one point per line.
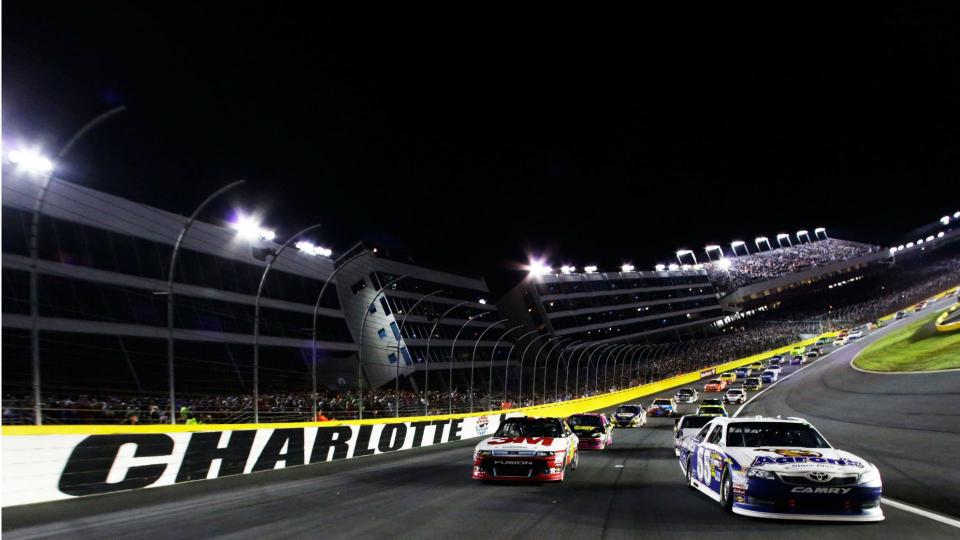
x=915, y=347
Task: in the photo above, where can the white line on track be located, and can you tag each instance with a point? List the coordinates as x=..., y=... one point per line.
x=921, y=512
x=778, y=381
x=885, y=500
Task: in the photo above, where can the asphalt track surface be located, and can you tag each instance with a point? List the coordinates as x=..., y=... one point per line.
x=907, y=424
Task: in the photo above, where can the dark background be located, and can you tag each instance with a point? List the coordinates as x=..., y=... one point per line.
x=473, y=138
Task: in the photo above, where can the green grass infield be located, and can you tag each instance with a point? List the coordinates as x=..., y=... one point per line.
x=915, y=347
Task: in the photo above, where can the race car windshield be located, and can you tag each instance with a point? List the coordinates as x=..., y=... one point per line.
x=754, y=434
x=592, y=421
x=694, y=422
x=661, y=402
x=628, y=409
x=530, y=427
x=714, y=381
x=685, y=392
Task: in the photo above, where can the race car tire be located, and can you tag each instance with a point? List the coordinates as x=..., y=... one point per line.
x=726, y=492
x=575, y=461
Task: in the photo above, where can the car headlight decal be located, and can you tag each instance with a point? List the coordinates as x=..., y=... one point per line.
x=761, y=474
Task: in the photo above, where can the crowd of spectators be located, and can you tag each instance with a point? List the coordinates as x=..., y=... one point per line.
x=733, y=273
x=736, y=340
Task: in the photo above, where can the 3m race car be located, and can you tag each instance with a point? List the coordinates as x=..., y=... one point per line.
x=629, y=416
x=592, y=429
x=686, y=395
x=662, y=407
x=527, y=449
x=686, y=426
x=779, y=468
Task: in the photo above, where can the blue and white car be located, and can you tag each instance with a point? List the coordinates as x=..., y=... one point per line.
x=780, y=468
x=769, y=376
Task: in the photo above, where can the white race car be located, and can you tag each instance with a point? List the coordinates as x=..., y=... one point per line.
x=527, y=449
x=779, y=468
x=631, y=415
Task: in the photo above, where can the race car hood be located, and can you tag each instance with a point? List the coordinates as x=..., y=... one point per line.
x=536, y=444
x=798, y=460
x=587, y=430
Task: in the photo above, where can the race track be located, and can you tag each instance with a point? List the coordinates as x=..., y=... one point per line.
x=907, y=424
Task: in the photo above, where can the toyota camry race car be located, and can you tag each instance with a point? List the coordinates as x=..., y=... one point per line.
x=779, y=468
x=629, y=416
x=593, y=430
x=686, y=426
x=527, y=449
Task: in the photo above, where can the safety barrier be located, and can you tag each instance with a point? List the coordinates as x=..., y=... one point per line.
x=941, y=323
x=46, y=463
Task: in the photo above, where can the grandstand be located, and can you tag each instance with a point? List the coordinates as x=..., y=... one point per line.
x=829, y=254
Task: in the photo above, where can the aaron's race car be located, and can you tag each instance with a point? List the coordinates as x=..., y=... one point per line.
x=779, y=468
x=686, y=426
x=592, y=429
x=629, y=416
x=531, y=449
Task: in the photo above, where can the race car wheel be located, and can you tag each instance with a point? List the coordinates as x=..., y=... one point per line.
x=726, y=492
x=575, y=461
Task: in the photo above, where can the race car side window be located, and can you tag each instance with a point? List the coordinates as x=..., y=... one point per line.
x=716, y=435
x=702, y=434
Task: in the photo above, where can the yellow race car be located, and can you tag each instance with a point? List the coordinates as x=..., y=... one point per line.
x=729, y=376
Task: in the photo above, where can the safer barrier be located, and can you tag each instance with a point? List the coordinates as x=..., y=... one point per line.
x=46, y=463
x=941, y=323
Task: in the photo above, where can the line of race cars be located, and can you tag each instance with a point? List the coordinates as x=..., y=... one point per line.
x=761, y=467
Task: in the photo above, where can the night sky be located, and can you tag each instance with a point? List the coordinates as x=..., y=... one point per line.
x=474, y=138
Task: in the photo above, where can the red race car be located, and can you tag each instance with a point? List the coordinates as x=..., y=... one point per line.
x=715, y=385
x=527, y=449
x=593, y=429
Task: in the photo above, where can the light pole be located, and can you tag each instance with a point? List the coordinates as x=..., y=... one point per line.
x=256, y=319
x=400, y=337
x=313, y=332
x=170, y=274
x=363, y=323
x=506, y=367
x=452, y=352
x=535, y=357
x=566, y=382
x=533, y=382
x=473, y=357
x=609, y=353
x=626, y=377
x=763, y=239
x=576, y=384
x=426, y=370
x=490, y=379
x=44, y=168
x=739, y=243
x=556, y=374
x=620, y=354
x=640, y=354
x=606, y=364
x=781, y=237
